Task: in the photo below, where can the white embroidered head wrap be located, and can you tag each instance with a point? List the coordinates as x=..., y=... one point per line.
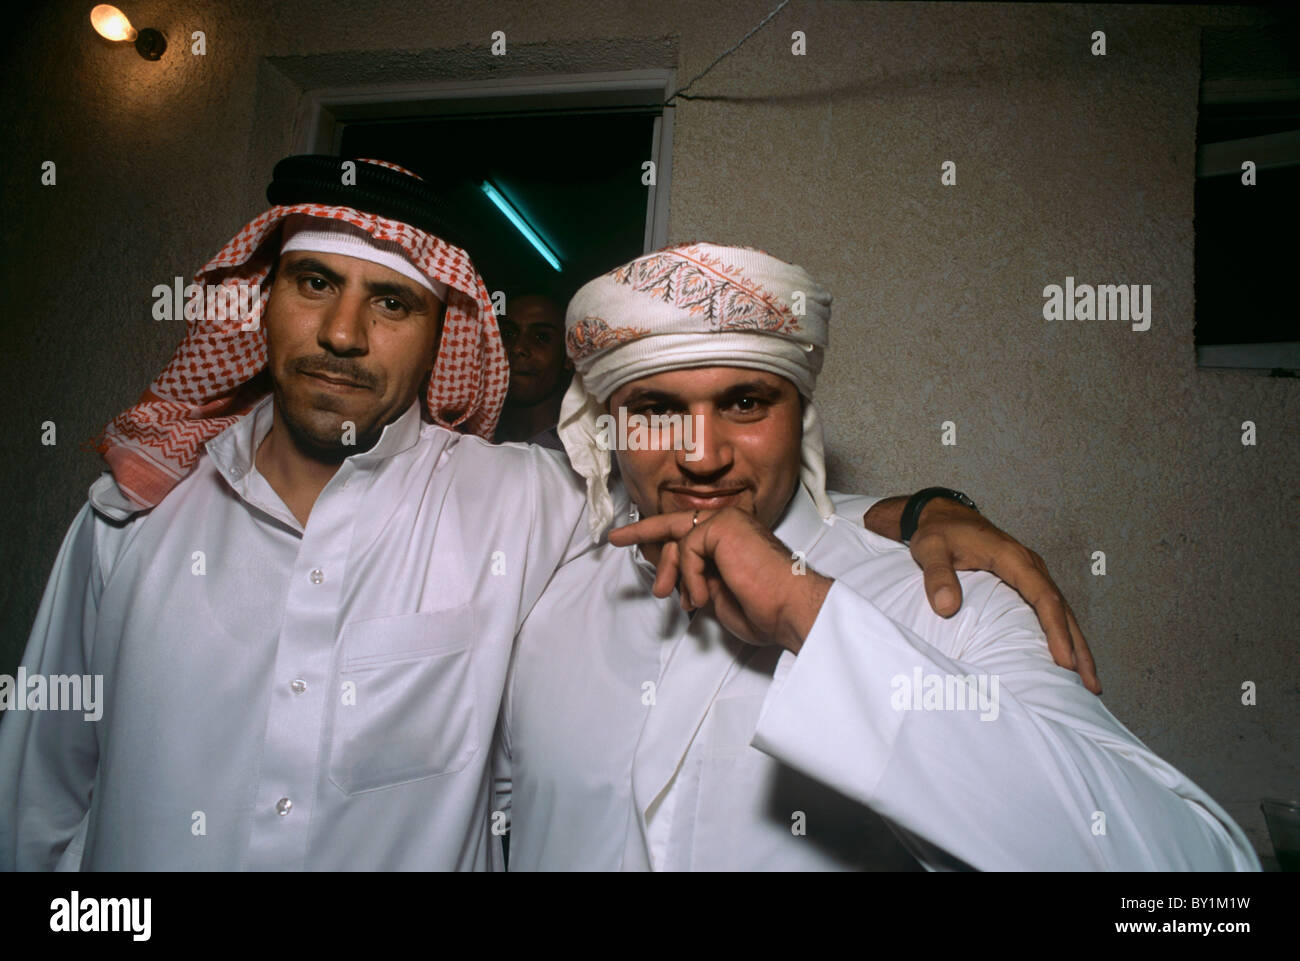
x=690, y=305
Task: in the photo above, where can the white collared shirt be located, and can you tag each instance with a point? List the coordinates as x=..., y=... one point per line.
x=287, y=697
x=654, y=739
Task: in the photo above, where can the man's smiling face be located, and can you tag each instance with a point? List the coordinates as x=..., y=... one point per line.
x=748, y=432
x=347, y=341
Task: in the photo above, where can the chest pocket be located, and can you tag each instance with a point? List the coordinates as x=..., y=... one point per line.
x=405, y=708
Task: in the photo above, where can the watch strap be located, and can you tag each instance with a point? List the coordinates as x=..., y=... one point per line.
x=916, y=503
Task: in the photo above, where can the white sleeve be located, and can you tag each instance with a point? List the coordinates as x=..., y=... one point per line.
x=557, y=512
x=852, y=507
x=1037, y=775
x=48, y=758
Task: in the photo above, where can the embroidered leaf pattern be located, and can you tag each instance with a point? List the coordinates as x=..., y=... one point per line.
x=592, y=334
x=692, y=280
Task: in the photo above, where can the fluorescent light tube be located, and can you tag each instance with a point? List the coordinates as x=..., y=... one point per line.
x=521, y=225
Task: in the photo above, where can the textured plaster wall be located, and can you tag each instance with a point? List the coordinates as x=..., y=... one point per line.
x=1075, y=436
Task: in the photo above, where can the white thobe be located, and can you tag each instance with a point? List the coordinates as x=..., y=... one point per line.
x=650, y=738
x=280, y=696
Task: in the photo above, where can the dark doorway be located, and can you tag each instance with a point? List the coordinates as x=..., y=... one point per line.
x=575, y=177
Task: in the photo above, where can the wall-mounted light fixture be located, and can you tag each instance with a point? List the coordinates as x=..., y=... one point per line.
x=112, y=24
x=521, y=224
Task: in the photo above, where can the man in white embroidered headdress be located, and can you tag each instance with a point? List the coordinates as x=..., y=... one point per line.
x=798, y=705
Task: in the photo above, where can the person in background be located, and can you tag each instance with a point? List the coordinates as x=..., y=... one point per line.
x=533, y=334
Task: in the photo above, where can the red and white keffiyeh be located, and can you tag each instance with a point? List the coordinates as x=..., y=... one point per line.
x=209, y=382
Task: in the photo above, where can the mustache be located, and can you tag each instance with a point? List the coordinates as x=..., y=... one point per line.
x=339, y=367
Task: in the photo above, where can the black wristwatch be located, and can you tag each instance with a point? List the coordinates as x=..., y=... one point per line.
x=916, y=503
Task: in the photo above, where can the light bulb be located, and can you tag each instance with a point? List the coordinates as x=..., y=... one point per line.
x=111, y=23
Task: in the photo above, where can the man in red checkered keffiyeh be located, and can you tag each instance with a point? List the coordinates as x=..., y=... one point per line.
x=297, y=590
x=213, y=377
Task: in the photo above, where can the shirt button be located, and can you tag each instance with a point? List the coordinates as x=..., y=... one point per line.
x=317, y=576
x=234, y=472
x=283, y=806
x=297, y=685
